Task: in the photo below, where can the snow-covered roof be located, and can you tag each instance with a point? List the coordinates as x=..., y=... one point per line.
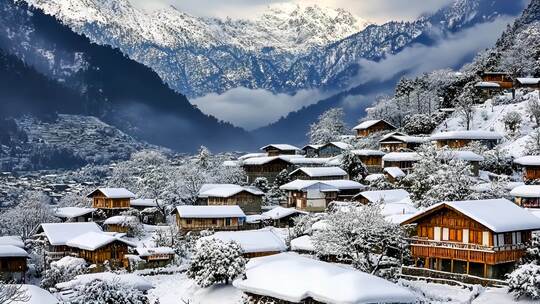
x=35, y=295
x=114, y=192
x=252, y=241
x=467, y=156
x=394, y=172
x=12, y=251
x=386, y=196
x=291, y=277
x=528, y=80
x=251, y=155
x=487, y=84
x=321, y=171
x=131, y=280
x=302, y=243
x=145, y=252
x=320, y=225
x=94, y=240
x=404, y=138
x=145, y=202
x=121, y=219
x=344, y=184
x=71, y=212
x=280, y=212
x=374, y=177
x=327, y=185
x=531, y=191
x=401, y=156
x=369, y=123
x=59, y=233
x=471, y=135
x=531, y=160
x=498, y=215
x=255, y=161
x=281, y=147
x=209, y=211
x=231, y=163
x=367, y=152
x=310, y=161
x=14, y=240
x=312, y=147
x=400, y=207
x=226, y=190
x=484, y=187
x=339, y=144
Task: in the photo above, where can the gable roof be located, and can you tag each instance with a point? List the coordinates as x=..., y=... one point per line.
x=487, y=84
x=226, y=190
x=11, y=251
x=461, y=155
x=367, y=152
x=530, y=160
x=14, y=240
x=470, y=134
x=530, y=191
x=394, y=172
x=310, y=161
x=528, y=80
x=316, y=147
x=280, y=212
x=94, y=240
x=71, y=212
x=399, y=137
x=59, y=233
x=498, y=215
x=386, y=196
x=113, y=193
x=401, y=156
x=188, y=211
x=281, y=147
x=339, y=144
x=255, y=161
x=370, y=123
x=252, y=241
x=145, y=202
x=323, y=186
x=320, y=171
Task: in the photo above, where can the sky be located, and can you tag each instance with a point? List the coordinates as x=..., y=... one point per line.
x=378, y=11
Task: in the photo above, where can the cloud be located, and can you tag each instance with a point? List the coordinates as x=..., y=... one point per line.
x=375, y=10
x=251, y=109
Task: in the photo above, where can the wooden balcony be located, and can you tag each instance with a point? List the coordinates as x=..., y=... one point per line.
x=466, y=252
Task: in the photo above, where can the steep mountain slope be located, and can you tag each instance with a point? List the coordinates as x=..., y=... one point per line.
x=47, y=68
x=285, y=50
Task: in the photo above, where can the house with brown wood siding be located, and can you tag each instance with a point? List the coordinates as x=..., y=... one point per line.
x=280, y=149
x=483, y=238
x=503, y=79
x=369, y=127
x=397, y=141
x=197, y=218
x=268, y=167
x=372, y=159
x=13, y=264
x=249, y=199
x=99, y=247
x=530, y=165
x=111, y=200
x=318, y=173
x=460, y=139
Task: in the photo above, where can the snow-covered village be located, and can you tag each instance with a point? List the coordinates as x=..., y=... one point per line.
x=207, y=152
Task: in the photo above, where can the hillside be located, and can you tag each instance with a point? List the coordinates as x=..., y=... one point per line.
x=47, y=68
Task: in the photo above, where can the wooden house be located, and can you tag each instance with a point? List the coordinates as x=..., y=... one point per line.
x=369, y=127
x=99, y=247
x=156, y=257
x=527, y=196
x=318, y=173
x=482, y=238
x=460, y=139
x=282, y=217
x=268, y=167
x=12, y=263
x=530, y=165
x=528, y=82
x=254, y=243
x=503, y=79
x=120, y=223
x=298, y=162
x=311, y=150
x=280, y=149
x=56, y=236
x=396, y=142
x=393, y=174
x=372, y=159
x=382, y=196
x=151, y=210
x=111, y=200
x=315, y=196
x=333, y=149
x=249, y=199
x=196, y=218
x=74, y=214
x=401, y=160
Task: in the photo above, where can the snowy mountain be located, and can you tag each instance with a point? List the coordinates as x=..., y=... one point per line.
x=285, y=49
x=46, y=68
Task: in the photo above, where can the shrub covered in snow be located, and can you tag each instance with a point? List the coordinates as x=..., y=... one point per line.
x=302, y=224
x=422, y=123
x=497, y=161
x=512, y=122
x=532, y=146
x=108, y=292
x=352, y=164
x=328, y=128
x=525, y=281
x=216, y=262
x=63, y=270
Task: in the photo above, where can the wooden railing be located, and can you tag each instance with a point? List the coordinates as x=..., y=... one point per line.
x=466, y=252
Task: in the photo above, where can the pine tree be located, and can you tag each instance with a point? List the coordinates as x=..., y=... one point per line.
x=328, y=128
x=352, y=164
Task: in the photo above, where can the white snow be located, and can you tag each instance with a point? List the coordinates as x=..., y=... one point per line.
x=298, y=185
x=404, y=138
x=367, y=152
x=252, y=155
x=487, y=84
x=528, y=80
x=339, y=144
x=321, y=171
x=145, y=252
x=131, y=280
x=121, y=220
x=471, y=134
x=316, y=147
x=498, y=215
x=280, y=212
x=257, y=161
x=72, y=212
x=394, y=172
x=36, y=296
x=114, y=192
x=281, y=147
x=252, y=241
x=226, y=190
x=59, y=233
x=210, y=211
x=14, y=240
x=401, y=156
x=366, y=124
x=94, y=240
x=386, y=196
x=291, y=277
x=344, y=184
x=302, y=161
x=374, y=177
x=145, y=202
x=530, y=191
x=12, y=251
x=467, y=156
x=303, y=243
x=530, y=160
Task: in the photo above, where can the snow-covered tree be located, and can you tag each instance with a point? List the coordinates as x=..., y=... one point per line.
x=216, y=262
x=363, y=236
x=109, y=292
x=533, y=108
x=532, y=146
x=465, y=104
x=328, y=128
x=12, y=293
x=421, y=123
x=512, y=122
x=525, y=281
x=63, y=270
x=302, y=224
x=352, y=164
x=497, y=161
x=74, y=200
x=261, y=183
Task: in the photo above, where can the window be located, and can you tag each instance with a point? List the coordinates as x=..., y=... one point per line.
x=189, y=221
x=214, y=222
x=508, y=238
x=227, y=222
x=445, y=234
